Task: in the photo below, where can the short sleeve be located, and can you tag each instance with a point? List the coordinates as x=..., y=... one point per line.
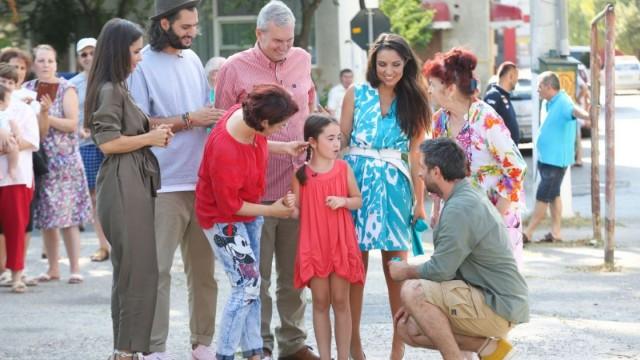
x=106, y=124
x=511, y=165
x=139, y=90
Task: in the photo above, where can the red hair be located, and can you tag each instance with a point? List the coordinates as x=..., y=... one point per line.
x=269, y=102
x=454, y=67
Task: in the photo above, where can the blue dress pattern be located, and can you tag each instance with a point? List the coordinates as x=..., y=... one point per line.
x=384, y=221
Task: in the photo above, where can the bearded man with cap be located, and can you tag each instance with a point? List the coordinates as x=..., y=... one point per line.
x=170, y=86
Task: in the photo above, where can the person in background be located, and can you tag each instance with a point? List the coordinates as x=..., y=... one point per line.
x=583, y=99
x=62, y=199
x=555, y=148
x=336, y=94
x=16, y=190
x=91, y=155
x=496, y=166
x=211, y=70
x=469, y=295
x=499, y=97
x=274, y=60
x=383, y=122
x=170, y=86
x=21, y=61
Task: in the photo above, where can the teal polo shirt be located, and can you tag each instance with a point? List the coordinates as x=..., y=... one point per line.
x=556, y=142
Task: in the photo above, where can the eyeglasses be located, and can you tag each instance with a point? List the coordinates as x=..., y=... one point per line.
x=85, y=54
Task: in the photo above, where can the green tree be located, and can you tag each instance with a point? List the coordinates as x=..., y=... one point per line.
x=410, y=20
x=581, y=12
x=60, y=22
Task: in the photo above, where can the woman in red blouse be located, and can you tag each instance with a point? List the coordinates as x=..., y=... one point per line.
x=231, y=182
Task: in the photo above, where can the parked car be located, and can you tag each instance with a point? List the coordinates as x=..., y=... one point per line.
x=627, y=73
x=522, y=104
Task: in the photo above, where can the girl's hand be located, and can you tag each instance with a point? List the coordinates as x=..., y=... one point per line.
x=280, y=210
x=401, y=316
x=295, y=148
x=335, y=202
x=419, y=213
x=290, y=199
x=160, y=135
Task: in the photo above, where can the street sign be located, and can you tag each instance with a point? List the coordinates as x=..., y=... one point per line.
x=367, y=25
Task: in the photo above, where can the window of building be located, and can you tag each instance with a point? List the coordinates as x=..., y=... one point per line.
x=234, y=25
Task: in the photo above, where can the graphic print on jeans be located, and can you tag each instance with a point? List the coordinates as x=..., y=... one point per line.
x=238, y=248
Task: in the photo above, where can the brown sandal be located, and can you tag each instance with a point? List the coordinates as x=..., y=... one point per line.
x=548, y=237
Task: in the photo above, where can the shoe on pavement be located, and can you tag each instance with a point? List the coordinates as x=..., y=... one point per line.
x=503, y=351
x=157, y=356
x=306, y=353
x=202, y=352
x=266, y=354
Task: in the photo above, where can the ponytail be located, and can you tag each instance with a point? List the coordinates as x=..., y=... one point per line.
x=301, y=174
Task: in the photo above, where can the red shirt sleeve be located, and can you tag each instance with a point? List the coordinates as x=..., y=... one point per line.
x=227, y=178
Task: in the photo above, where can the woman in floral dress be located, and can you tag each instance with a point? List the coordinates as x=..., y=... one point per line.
x=62, y=199
x=383, y=122
x=495, y=163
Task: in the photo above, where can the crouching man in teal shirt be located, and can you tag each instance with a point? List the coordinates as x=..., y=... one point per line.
x=469, y=295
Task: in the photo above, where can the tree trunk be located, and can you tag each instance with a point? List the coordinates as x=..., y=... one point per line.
x=309, y=8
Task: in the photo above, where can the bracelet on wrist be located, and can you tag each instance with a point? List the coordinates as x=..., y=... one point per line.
x=186, y=119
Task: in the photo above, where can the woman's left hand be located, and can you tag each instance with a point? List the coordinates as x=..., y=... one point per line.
x=419, y=213
x=295, y=148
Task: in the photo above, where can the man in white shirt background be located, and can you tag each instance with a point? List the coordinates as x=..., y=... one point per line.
x=336, y=94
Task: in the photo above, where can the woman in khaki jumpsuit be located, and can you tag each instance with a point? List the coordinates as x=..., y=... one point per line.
x=126, y=184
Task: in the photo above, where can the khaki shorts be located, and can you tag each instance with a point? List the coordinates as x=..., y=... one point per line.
x=466, y=309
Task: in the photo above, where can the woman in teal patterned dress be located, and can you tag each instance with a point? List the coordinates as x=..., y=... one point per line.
x=384, y=121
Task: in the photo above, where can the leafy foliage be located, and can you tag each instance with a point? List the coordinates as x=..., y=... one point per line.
x=61, y=22
x=410, y=20
x=627, y=25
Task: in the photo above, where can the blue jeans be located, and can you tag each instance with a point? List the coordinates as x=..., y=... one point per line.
x=237, y=247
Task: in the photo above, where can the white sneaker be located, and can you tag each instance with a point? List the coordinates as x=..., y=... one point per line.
x=157, y=356
x=202, y=352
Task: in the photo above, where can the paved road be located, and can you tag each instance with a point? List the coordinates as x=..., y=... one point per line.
x=577, y=313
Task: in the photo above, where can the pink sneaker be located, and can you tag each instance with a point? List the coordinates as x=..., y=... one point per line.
x=157, y=356
x=202, y=352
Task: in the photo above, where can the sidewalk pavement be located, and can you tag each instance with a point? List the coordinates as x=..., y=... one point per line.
x=578, y=312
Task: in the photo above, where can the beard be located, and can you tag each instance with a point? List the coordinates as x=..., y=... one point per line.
x=433, y=188
x=175, y=41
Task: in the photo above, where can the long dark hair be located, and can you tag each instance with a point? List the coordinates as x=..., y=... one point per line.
x=313, y=127
x=414, y=112
x=112, y=60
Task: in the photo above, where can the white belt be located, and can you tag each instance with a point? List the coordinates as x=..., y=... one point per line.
x=391, y=156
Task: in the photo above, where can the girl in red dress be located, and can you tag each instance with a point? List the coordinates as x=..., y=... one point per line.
x=328, y=258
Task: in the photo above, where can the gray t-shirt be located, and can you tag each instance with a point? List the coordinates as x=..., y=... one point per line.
x=80, y=82
x=165, y=85
x=472, y=245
